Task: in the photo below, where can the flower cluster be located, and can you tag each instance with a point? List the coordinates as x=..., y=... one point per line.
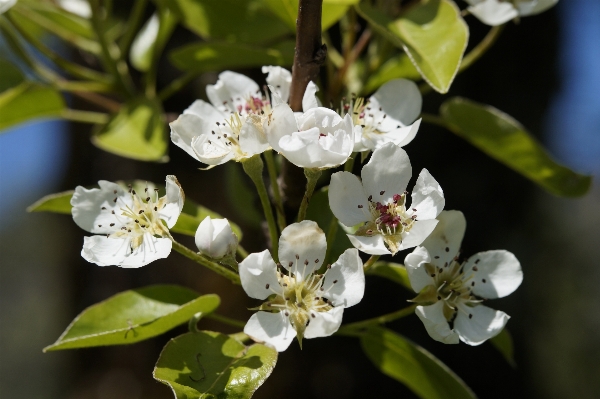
x=497, y=12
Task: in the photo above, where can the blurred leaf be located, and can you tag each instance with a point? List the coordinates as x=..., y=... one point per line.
x=202, y=57
x=399, y=66
x=432, y=33
x=246, y=21
x=133, y=316
x=244, y=198
x=137, y=132
x=28, y=101
x=412, y=365
x=10, y=77
x=56, y=203
x=287, y=11
x=503, y=138
x=151, y=39
x=392, y=271
x=208, y=364
x=504, y=343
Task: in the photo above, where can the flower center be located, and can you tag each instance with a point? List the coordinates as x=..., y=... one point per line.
x=365, y=116
x=391, y=219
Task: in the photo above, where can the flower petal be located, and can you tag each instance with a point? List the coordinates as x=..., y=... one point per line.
x=324, y=323
x=302, y=248
x=281, y=80
x=534, y=7
x=420, y=230
x=418, y=276
x=281, y=122
x=88, y=212
x=175, y=197
x=387, y=173
x=496, y=274
x=252, y=139
x=444, y=242
x=494, y=12
x=479, y=324
x=185, y=129
x=399, y=136
x=373, y=245
x=344, y=282
x=206, y=111
x=400, y=99
x=105, y=251
x=231, y=86
x=435, y=323
x=215, y=238
x=272, y=328
x=347, y=199
x=427, y=197
x=309, y=99
x=211, y=152
x=258, y=273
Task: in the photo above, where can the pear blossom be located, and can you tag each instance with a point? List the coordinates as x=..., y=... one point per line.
x=497, y=12
x=388, y=116
x=300, y=302
x=379, y=203
x=230, y=127
x=6, y=4
x=77, y=7
x=451, y=292
x=133, y=227
x=215, y=239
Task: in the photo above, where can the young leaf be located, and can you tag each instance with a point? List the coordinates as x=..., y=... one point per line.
x=134, y=316
x=57, y=203
x=208, y=364
x=392, y=271
x=503, y=138
x=432, y=33
x=399, y=66
x=412, y=365
x=28, y=101
x=504, y=343
x=137, y=131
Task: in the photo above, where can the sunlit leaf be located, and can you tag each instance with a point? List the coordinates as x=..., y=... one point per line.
x=396, y=67
x=412, y=365
x=287, y=11
x=137, y=131
x=432, y=33
x=28, y=101
x=56, y=203
x=504, y=343
x=202, y=57
x=503, y=138
x=133, y=316
x=392, y=271
x=208, y=364
x=151, y=39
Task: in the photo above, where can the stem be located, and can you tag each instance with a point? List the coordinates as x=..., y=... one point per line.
x=312, y=176
x=96, y=99
x=176, y=85
x=350, y=329
x=370, y=262
x=275, y=188
x=360, y=45
x=133, y=24
x=226, y=320
x=85, y=116
x=215, y=267
x=254, y=168
x=350, y=162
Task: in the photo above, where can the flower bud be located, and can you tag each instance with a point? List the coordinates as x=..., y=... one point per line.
x=215, y=239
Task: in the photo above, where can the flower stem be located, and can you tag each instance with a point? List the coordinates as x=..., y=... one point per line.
x=225, y=320
x=353, y=328
x=350, y=162
x=370, y=262
x=254, y=168
x=312, y=176
x=275, y=188
x=176, y=85
x=215, y=267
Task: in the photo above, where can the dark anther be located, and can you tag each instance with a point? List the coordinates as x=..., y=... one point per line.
x=290, y=264
x=334, y=281
x=316, y=260
x=436, y=257
x=225, y=135
x=147, y=199
x=284, y=284
x=360, y=207
x=113, y=212
x=370, y=197
x=432, y=274
x=297, y=256
x=103, y=208
x=483, y=280
x=477, y=261
x=115, y=191
x=439, y=297
x=143, y=226
x=155, y=208
x=472, y=283
x=99, y=225
x=447, y=249
x=475, y=268
x=129, y=231
x=414, y=209
x=470, y=316
x=267, y=286
x=209, y=142
x=112, y=224
x=115, y=200
x=133, y=192
x=287, y=313
x=213, y=132
x=140, y=212
x=312, y=315
x=381, y=192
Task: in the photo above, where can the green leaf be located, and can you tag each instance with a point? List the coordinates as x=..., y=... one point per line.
x=208, y=364
x=202, y=57
x=504, y=343
x=246, y=21
x=137, y=132
x=10, y=77
x=503, y=138
x=134, y=316
x=412, y=365
x=57, y=203
x=287, y=11
x=28, y=101
x=245, y=198
x=392, y=271
x=433, y=35
x=151, y=39
x=399, y=66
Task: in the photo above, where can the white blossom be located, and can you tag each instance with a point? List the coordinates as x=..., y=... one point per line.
x=379, y=203
x=497, y=12
x=215, y=239
x=451, y=292
x=6, y=4
x=299, y=301
x=133, y=227
x=77, y=7
x=388, y=116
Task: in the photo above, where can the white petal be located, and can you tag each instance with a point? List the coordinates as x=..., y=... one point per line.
x=281, y=79
x=418, y=276
x=231, y=85
x=500, y=270
x=105, y=251
x=494, y=12
x=215, y=238
x=427, y=197
x=252, y=139
x=400, y=99
x=77, y=7
x=349, y=277
x=282, y=122
x=346, y=194
x=399, y=136
x=387, y=173
x=302, y=245
x=185, y=129
x=324, y=323
x=373, y=245
x=483, y=324
x=211, y=152
x=420, y=230
x=272, y=328
x=87, y=207
x=435, y=323
x=205, y=111
x=534, y=7
x=444, y=242
x=309, y=99
x=258, y=273
x=172, y=209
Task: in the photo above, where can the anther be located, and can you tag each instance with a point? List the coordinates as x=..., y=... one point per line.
x=439, y=297
x=477, y=261
x=306, y=262
x=112, y=224
x=133, y=192
x=115, y=200
x=436, y=257
x=103, y=208
x=312, y=315
x=115, y=191
x=483, y=280
x=99, y=225
x=475, y=268
x=316, y=260
x=472, y=283
x=447, y=249
x=287, y=313
x=291, y=264
x=360, y=207
x=470, y=316
x=414, y=209
x=335, y=281
x=381, y=192
x=147, y=199
x=267, y=286
x=155, y=208
x=143, y=226
x=285, y=285
x=370, y=197
x=140, y=212
x=297, y=256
